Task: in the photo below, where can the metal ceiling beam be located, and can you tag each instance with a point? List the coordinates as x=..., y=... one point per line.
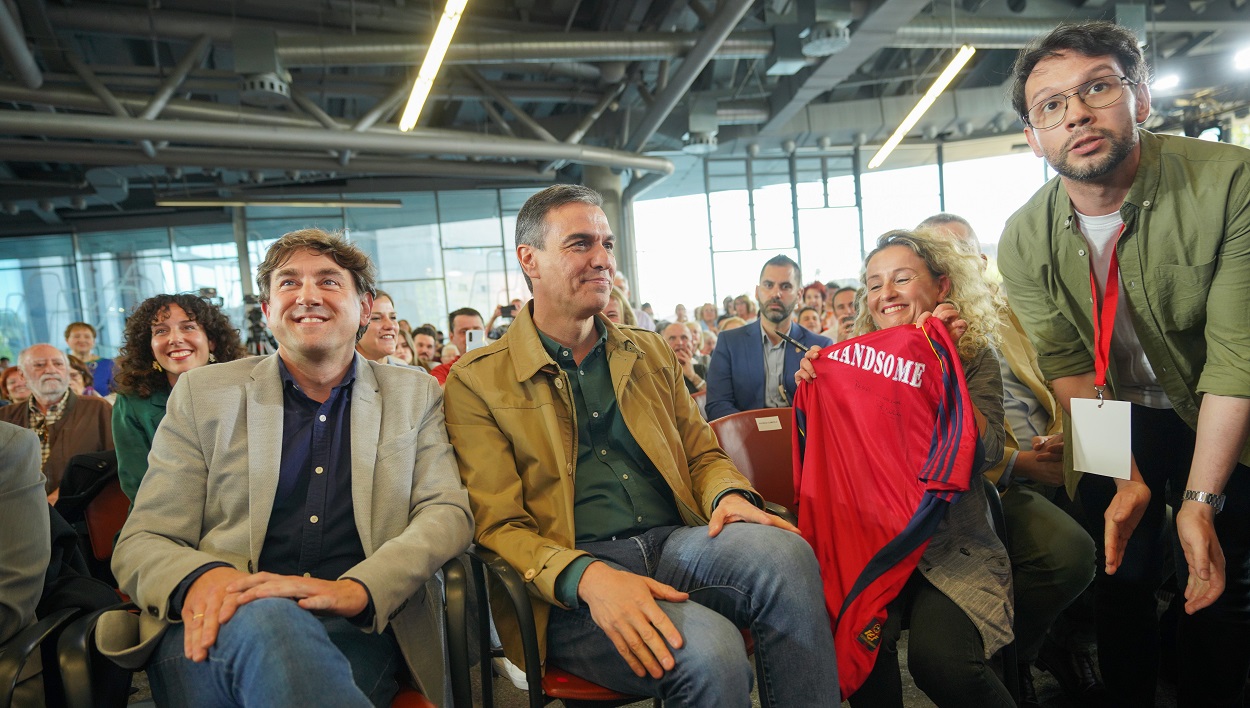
x=710, y=44
x=378, y=141
x=322, y=50
x=175, y=78
x=119, y=155
x=524, y=118
x=875, y=32
x=17, y=57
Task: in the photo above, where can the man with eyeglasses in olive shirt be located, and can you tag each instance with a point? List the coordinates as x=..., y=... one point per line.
x=1173, y=214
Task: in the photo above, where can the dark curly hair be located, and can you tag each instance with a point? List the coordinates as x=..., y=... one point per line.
x=1092, y=39
x=134, y=374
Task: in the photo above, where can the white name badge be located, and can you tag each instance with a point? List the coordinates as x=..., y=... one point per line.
x=771, y=422
x=1102, y=437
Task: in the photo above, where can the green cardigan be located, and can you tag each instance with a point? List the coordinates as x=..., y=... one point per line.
x=135, y=421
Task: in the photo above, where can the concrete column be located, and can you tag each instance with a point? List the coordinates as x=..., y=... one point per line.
x=608, y=183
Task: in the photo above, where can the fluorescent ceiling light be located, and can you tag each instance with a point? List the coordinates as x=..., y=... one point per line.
x=433, y=60
x=1166, y=82
x=943, y=80
x=288, y=203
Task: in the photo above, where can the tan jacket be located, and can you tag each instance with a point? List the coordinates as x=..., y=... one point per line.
x=1020, y=355
x=512, y=422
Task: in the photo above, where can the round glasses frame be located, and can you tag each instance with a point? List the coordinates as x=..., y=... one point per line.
x=1112, y=93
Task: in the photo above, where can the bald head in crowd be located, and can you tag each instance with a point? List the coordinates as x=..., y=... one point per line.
x=954, y=226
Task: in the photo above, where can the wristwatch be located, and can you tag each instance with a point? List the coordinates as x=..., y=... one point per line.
x=1215, y=500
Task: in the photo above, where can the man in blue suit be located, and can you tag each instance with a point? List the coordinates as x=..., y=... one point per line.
x=752, y=367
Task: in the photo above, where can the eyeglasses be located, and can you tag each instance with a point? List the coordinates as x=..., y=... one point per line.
x=1095, y=93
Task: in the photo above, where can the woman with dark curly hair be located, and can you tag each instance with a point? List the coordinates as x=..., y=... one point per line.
x=166, y=336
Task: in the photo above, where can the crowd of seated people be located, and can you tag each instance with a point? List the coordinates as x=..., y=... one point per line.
x=289, y=512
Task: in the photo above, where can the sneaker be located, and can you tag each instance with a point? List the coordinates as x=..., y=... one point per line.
x=510, y=671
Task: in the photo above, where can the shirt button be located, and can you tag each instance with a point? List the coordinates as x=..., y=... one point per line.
x=583, y=373
x=1080, y=252
x=624, y=476
x=595, y=414
x=1146, y=203
x=322, y=418
x=640, y=519
x=313, y=518
x=559, y=383
x=319, y=470
x=529, y=574
x=307, y=575
x=568, y=469
x=603, y=452
x=565, y=352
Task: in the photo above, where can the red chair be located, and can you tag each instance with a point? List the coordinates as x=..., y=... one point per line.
x=700, y=399
x=105, y=516
x=556, y=683
x=759, y=443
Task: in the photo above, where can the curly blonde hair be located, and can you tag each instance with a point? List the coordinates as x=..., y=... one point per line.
x=979, y=304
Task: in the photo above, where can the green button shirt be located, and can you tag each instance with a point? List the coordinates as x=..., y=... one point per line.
x=1184, y=265
x=618, y=492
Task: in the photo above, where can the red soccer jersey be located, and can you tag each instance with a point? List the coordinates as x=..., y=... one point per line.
x=884, y=442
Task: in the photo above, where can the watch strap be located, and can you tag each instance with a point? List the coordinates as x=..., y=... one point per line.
x=1215, y=500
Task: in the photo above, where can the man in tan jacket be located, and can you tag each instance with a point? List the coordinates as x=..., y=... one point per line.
x=591, y=472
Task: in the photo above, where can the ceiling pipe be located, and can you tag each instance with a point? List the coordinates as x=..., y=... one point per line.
x=417, y=142
x=114, y=155
x=714, y=38
x=17, y=57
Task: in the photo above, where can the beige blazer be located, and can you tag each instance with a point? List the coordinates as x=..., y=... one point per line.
x=211, y=481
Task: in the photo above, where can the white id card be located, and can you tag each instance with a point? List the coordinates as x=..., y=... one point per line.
x=1102, y=437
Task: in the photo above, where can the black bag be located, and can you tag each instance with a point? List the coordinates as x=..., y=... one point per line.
x=68, y=582
x=84, y=477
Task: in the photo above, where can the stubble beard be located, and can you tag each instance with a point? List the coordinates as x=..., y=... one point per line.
x=1121, y=147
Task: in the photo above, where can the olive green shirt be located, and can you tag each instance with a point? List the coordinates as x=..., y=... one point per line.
x=618, y=491
x=1184, y=265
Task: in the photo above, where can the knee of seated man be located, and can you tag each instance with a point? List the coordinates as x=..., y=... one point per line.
x=769, y=546
x=715, y=654
x=275, y=621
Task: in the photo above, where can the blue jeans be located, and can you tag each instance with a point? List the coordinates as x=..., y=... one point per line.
x=273, y=653
x=751, y=576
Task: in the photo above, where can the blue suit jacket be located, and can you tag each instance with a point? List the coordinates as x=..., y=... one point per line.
x=735, y=376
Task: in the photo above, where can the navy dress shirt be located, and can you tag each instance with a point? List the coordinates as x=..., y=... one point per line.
x=312, y=527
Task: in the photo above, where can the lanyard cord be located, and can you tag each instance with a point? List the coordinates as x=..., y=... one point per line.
x=1104, y=315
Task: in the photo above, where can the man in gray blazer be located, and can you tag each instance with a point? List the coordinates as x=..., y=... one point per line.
x=24, y=533
x=25, y=546
x=295, y=509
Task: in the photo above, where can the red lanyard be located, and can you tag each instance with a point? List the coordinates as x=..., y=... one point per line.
x=1104, y=317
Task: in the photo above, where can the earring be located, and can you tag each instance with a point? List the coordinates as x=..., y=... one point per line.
x=212, y=359
x=157, y=366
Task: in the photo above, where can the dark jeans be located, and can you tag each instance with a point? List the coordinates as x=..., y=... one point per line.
x=750, y=576
x=273, y=653
x=944, y=653
x=1214, y=644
